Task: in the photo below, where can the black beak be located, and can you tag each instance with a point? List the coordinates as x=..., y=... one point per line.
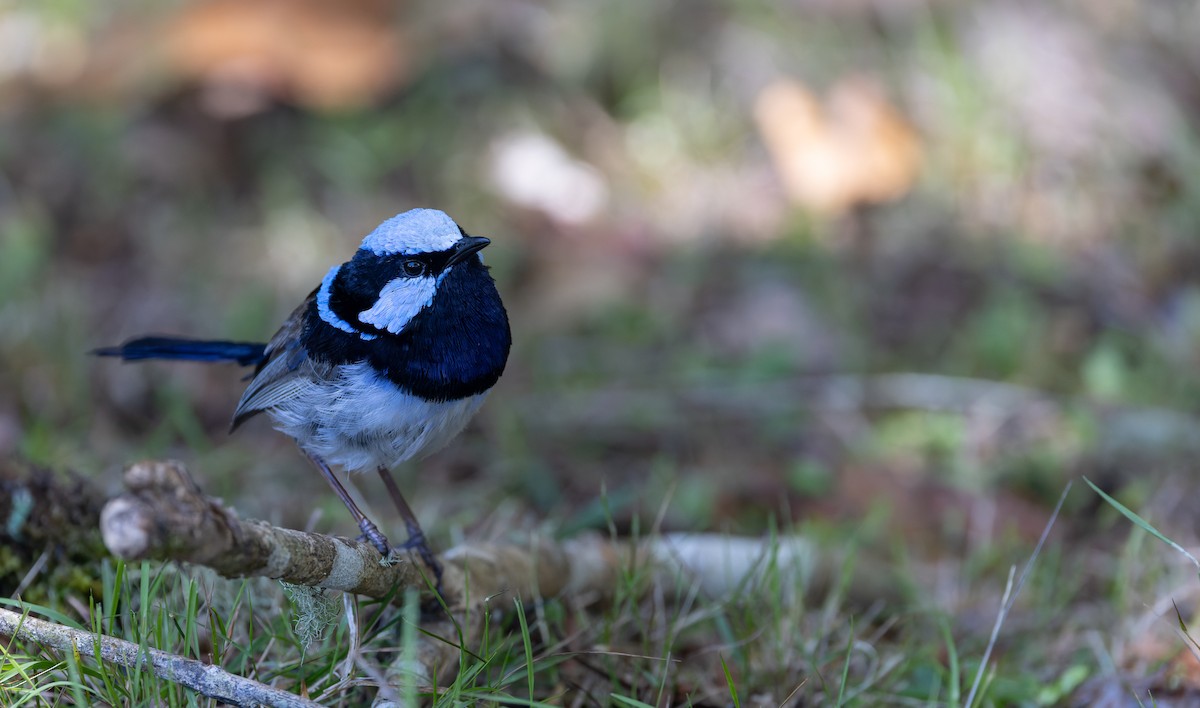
x=466, y=246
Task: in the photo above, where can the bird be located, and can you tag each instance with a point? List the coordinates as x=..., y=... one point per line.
x=385, y=361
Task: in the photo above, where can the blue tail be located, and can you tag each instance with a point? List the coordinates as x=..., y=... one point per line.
x=244, y=353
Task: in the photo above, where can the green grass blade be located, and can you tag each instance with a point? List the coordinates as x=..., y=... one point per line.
x=626, y=701
x=408, y=643
x=76, y=679
x=527, y=642
x=1141, y=523
x=729, y=682
x=846, y=667
x=955, y=679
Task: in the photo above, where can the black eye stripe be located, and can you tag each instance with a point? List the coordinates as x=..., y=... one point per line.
x=357, y=285
x=434, y=262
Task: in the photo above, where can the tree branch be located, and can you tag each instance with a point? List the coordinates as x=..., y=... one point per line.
x=211, y=681
x=165, y=516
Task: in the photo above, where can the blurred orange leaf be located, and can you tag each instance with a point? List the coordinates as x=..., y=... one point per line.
x=853, y=149
x=320, y=53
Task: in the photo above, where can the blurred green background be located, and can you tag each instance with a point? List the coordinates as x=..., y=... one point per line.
x=889, y=270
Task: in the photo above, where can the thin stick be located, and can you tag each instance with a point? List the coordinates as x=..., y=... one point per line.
x=208, y=680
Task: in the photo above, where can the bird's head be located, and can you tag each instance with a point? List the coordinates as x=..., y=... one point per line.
x=398, y=271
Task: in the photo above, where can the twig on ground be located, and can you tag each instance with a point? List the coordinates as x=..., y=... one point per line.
x=211, y=681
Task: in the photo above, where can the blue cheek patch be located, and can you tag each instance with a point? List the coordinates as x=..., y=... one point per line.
x=400, y=301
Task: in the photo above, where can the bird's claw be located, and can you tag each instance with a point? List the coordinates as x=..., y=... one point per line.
x=372, y=534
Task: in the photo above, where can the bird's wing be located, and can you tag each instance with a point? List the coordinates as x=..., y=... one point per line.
x=284, y=371
x=289, y=332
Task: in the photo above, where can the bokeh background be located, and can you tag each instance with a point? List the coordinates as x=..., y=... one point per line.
x=889, y=273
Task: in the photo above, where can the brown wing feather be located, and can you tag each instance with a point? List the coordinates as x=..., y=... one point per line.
x=288, y=332
x=281, y=371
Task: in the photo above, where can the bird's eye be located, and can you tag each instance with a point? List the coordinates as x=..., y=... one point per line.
x=413, y=268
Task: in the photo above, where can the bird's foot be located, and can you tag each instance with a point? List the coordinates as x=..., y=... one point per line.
x=370, y=532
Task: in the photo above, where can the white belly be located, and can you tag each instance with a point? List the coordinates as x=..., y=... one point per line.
x=360, y=420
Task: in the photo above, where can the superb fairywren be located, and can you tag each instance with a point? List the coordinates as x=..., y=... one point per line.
x=385, y=361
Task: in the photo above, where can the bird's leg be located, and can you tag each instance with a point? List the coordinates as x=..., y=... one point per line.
x=369, y=529
x=416, y=537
